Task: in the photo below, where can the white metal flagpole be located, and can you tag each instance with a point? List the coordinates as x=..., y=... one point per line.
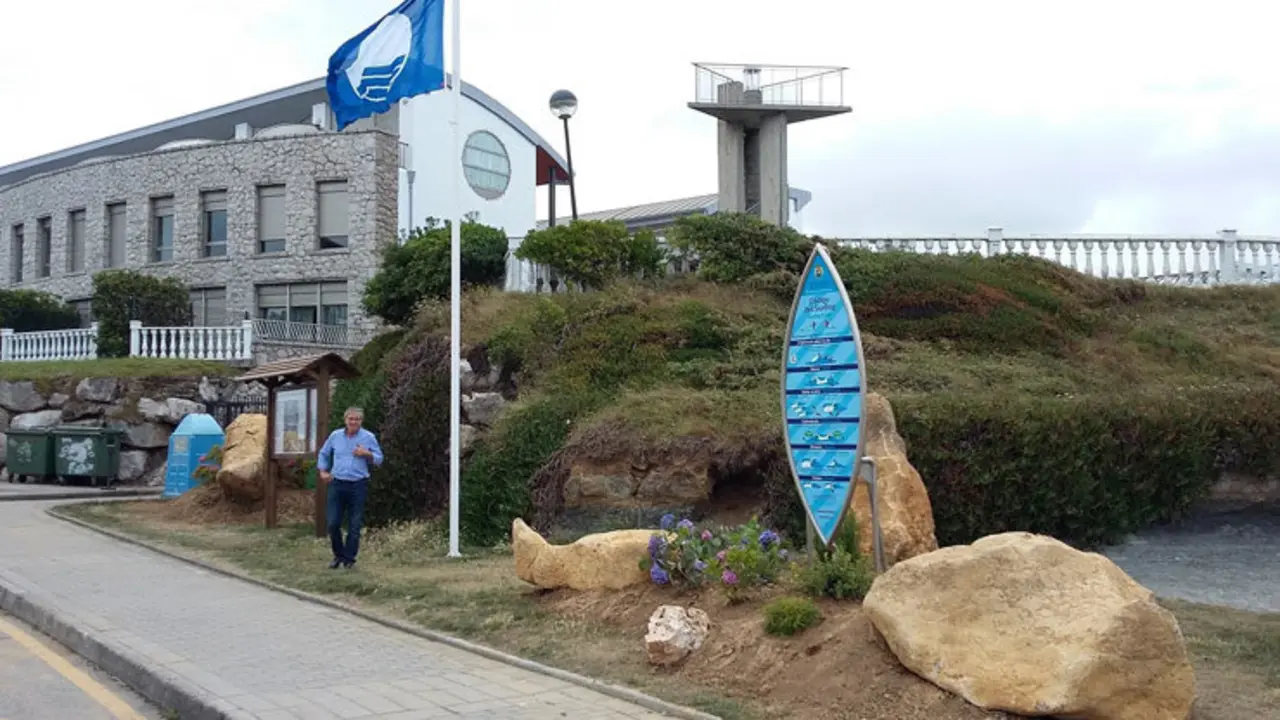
x=455, y=293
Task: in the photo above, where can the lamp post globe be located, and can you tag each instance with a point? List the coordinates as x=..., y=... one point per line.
x=563, y=104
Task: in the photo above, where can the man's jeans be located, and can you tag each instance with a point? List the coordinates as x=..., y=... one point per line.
x=346, y=497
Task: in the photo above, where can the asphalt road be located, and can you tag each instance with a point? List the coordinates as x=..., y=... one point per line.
x=41, y=680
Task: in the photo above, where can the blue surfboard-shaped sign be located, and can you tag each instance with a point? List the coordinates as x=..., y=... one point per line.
x=823, y=394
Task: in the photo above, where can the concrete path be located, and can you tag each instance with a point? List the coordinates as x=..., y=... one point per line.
x=31, y=491
x=262, y=655
x=1217, y=558
x=40, y=679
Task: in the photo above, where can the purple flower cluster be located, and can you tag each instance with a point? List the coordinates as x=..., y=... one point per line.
x=740, y=557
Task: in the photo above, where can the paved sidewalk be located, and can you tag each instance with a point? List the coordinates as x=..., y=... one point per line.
x=273, y=656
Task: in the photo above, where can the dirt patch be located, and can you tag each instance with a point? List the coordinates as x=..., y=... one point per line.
x=206, y=505
x=837, y=670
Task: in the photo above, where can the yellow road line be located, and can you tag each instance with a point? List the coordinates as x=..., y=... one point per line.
x=104, y=697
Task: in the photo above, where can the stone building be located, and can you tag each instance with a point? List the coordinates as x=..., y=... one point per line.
x=262, y=208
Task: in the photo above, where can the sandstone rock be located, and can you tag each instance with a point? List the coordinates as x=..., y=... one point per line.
x=482, y=408
x=133, y=463
x=603, y=561
x=674, y=632
x=36, y=420
x=466, y=438
x=145, y=435
x=1026, y=624
x=101, y=390
x=906, y=515
x=679, y=480
x=57, y=400
x=243, y=463
x=20, y=396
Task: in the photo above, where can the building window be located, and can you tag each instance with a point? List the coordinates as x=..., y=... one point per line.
x=83, y=308
x=271, y=232
x=162, y=229
x=44, y=247
x=213, y=227
x=486, y=165
x=15, y=254
x=209, y=307
x=324, y=303
x=75, y=241
x=113, y=254
x=333, y=221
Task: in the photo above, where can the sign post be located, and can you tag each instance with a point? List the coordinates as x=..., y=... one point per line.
x=823, y=397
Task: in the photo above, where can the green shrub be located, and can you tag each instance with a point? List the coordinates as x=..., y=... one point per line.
x=732, y=247
x=31, y=311
x=1087, y=469
x=593, y=253
x=842, y=572
x=413, y=481
x=418, y=269
x=787, y=616
x=123, y=295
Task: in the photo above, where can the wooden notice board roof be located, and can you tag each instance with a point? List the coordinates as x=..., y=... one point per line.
x=301, y=369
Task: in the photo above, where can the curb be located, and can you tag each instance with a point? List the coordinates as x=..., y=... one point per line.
x=72, y=495
x=155, y=684
x=621, y=693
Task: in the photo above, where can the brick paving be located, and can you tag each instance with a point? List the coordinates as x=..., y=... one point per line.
x=273, y=656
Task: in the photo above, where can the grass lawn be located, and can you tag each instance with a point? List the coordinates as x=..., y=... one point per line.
x=130, y=367
x=403, y=573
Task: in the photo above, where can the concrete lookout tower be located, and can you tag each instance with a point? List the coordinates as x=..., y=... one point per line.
x=754, y=104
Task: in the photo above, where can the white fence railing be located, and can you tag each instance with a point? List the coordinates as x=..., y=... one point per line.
x=234, y=342
x=1224, y=259
x=75, y=344
x=285, y=331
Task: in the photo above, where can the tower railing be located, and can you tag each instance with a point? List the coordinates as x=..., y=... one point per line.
x=779, y=85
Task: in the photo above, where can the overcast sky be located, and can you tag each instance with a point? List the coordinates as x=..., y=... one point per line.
x=1121, y=116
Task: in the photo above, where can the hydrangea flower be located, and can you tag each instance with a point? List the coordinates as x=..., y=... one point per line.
x=658, y=575
x=706, y=535
x=656, y=545
x=720, y=556
x=685, y=524
x=767, y=538
x=668, y=521
x=699, y=565
x=729, y=578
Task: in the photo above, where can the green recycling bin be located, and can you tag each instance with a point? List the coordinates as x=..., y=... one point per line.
x=29, y=455
x=87, y=452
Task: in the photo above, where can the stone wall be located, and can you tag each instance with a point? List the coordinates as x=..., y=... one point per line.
x=366, y=160
x=146, y=409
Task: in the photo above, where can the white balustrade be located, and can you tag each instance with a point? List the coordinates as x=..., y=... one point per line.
x=75, y=344
x=234, y=342
x=288, y=332
x=1223, y=259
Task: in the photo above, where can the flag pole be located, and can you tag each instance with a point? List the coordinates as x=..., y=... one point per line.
x=455, y=291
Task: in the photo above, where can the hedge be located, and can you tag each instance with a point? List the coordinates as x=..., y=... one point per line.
x=1086, y=470
x=31, y=310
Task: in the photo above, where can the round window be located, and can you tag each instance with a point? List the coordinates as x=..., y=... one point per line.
x=486, y=165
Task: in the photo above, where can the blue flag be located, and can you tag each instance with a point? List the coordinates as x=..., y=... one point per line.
x=400, y=56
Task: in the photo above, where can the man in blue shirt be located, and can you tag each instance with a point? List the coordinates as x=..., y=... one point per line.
x=344, y=463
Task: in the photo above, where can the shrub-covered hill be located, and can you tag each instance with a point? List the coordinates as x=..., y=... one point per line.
x=1031, y=397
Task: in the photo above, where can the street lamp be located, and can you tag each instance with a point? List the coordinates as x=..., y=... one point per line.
x=563, y=105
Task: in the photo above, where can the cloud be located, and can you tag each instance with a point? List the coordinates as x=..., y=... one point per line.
x=1099, y=116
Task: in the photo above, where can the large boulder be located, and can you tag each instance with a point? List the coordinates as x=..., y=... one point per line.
x=133, y=464
x=101, y=390
x=20, y=396
x=171, y=411
x=906, y=515
x=36, y=420
x=243, y=470
x=482, y=408
x=1026, y=624
x=147, y=435
x=682, y=478
x=603, y=561
x=674, y=632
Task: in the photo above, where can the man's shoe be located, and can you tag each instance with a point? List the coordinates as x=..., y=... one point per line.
x=349, y=564
x=335, y=564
